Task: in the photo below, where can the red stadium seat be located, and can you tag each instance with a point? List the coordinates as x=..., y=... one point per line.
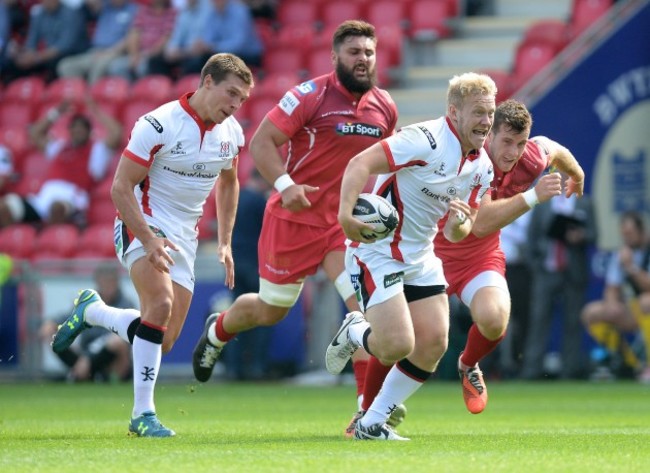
x=154, y=88
x=335, y=12
x=300, y=35
x=111, y=90
x=552, y=31
x=283, y=60
x=275, y=85
x=319, y=62
x=96, y=241
x=18, y=240
x=585, y=13
x=503, y=81
x=34, y=169
x=530, y=58
x=25, y=90
x=134, y=110
x=292, y=12
x=386, y=13
x=16, y=114
x=258, y=108
x=186, y=84
x=428, y=19
x=73, y=89
x=101, y=211
x=15, y=138
x=56, y=241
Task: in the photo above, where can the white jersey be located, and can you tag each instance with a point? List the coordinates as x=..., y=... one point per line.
x=184, y=160
x=428, y=171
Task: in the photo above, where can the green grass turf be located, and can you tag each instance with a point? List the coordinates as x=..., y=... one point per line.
x=527, y=427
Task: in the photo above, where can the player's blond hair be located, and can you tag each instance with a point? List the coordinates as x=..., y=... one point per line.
x=220, y=65
x=469, y=84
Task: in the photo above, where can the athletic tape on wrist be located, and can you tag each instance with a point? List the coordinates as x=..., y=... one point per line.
x=530, y=196
x=282, y=182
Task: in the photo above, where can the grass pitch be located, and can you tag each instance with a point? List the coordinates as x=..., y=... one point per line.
x=527, y=427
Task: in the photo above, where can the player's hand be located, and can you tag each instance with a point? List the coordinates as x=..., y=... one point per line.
x=548, y=186
x=224, y=253
x=294, y=198
x=575, y=185
x=157, y=253
x=459, y=212
x=356, y=230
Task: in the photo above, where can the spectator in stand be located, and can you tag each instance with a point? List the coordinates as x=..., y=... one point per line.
x=263, y=9
x=75, y=165
x=559, y=234
x=55, y=31
x=6, y=169
x=625, y=306
x=147, y=37
x=182, y=43
x=228, y=27
x=114, y=19
x=101, y=354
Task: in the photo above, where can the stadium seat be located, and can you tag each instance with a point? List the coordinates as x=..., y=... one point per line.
x=16, y=114
x=275, y=85
x=300, y=35
x=56, y=241
x=111, y=90
x=386, y=13
x=15, y=138
x=391, y=40
x=73, y=89
x=18, y=240
x=286, y=59
x=585, y=13
x=530, y=58
x=186, y=84
x=25, y=90
x=551, y=31
x=503, y=81
x=96, y=241
x=154, y=88
x=101, y=211
x=428, y=19
x=334, y=12
x=34, y=169
x=292, y=12
x=258, y=108
x=319, y=62
x=134, y=110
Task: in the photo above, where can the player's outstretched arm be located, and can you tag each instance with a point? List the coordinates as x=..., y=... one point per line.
x=460, y=221
x=563, y=160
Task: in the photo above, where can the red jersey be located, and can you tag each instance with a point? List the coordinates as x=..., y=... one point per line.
x=473, y=255
x=327, y=127
x=72, y=157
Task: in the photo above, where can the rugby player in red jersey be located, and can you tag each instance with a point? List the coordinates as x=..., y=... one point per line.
x=325, y=121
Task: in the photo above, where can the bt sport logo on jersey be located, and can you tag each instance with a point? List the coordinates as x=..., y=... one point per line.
x=358, y=129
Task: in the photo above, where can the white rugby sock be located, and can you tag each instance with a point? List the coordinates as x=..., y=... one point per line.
x=146, y=364
x=114, y=319
x=397, y=388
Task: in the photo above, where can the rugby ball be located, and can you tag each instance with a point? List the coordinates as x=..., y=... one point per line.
x=377, y=211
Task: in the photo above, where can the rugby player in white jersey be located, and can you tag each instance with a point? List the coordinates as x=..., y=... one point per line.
x=173, y=159
x=425, y=171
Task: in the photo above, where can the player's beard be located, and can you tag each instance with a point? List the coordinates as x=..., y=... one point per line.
x=346, y=76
